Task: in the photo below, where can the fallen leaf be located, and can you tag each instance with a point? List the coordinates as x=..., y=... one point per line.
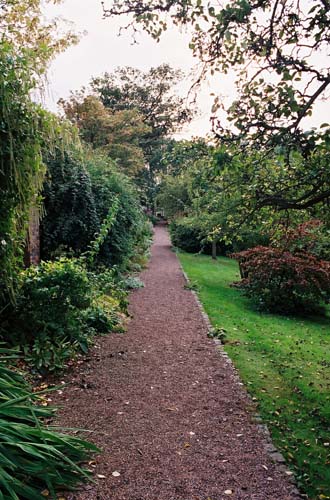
x=45, y=493
x=186, y=445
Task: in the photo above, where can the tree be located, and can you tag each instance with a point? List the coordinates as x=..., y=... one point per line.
x=177, y=163
x=274, y=37
x=180, y=155
x=117, y=133
x=22, y=25
x=276, y=48
x=152, y=95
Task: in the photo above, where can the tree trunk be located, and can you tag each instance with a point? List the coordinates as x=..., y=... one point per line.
x=214, y=249
x=32, y=250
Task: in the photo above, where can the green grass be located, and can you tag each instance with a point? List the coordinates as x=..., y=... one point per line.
x=285, y=364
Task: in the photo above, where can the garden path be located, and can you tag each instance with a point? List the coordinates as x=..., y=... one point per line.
x=166, y=407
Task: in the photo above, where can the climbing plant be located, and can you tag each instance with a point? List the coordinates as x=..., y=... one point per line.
x=27, y=45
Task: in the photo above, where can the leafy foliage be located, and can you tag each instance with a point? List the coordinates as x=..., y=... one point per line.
x=149, y=93
x=311, y=236
x=85, y=196
x=283, y=282
x=186, y=235
x=21, y=167
x=277, y=38
x=131, y=115
x=173, y=196
x=133, y=282
x=48, y=315
x=278, y=51
x=129, y=226
x=116, y=133
x=27, y=45
x=34, y=457
x=70, y=219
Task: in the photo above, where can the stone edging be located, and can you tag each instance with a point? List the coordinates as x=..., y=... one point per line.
x=275, y=455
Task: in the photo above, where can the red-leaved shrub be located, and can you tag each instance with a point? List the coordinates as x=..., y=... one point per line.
x=311, y=236
x=280, y=281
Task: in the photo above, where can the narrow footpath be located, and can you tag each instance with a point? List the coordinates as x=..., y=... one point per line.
x=166, y=407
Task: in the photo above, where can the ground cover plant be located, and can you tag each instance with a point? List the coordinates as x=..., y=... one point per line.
x=284, y=363
x=35, y=459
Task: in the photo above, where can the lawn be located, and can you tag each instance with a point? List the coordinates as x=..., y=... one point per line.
x=284, y=363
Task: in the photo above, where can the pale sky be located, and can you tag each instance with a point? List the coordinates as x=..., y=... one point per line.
x=101, y=50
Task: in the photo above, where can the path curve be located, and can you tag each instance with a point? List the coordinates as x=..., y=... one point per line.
x=166, y=407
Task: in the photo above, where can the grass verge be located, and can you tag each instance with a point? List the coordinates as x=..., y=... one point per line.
x=285, y=364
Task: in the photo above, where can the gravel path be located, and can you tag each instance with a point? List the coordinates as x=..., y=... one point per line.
x=166, y=407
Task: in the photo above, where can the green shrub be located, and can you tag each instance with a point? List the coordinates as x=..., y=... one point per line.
x=185, y=234
x=129, y=225
x=34, y=457
x=49, y=354
x=70, y=220
x=281, y=282
x=100, y=320
x=249, y=238
x=55, y=314
x=108, y=289
x=79, y=190
x=191, y=235
x=51, y=298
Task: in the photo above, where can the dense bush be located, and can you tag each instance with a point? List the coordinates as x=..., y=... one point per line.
x=185, y=234
x=23, y=129
x=249, y=238
x=70, y=219
x=79, y=191
x=191, y=235
x=283, y=282
x=129, y=228
x=33, y=457
x=57, y=312
x=47, y=319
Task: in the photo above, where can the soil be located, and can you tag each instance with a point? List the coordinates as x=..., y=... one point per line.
x=167, y=409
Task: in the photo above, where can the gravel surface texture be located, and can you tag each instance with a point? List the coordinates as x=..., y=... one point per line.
x=166, y=407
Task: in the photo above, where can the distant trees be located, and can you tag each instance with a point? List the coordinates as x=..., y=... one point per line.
x=131, y=114
x=116, y=134
x=278, y=50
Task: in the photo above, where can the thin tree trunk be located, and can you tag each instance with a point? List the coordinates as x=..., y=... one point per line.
x=214, y=249
x=32, y=251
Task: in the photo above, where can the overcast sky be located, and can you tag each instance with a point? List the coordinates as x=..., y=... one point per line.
x=101, y=49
